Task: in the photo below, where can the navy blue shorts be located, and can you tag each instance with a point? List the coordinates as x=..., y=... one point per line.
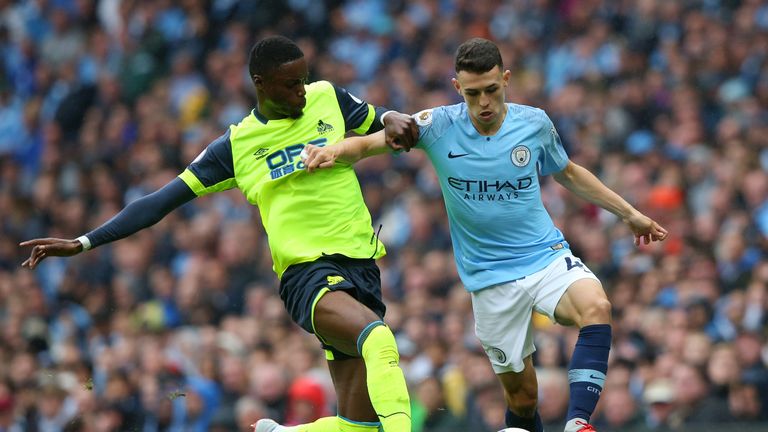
x=301, y=283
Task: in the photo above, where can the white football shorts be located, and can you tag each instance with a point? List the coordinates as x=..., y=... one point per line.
x=503, y=312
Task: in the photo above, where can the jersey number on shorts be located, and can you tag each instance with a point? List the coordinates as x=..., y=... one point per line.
x=571, y=264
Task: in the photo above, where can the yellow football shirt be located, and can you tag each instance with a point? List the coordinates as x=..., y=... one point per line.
x=305, y=215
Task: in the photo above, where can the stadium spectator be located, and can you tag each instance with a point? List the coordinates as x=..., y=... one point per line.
x=665, y=100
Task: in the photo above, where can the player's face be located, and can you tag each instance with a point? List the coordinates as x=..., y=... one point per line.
x=484, y=95
x=283, y=90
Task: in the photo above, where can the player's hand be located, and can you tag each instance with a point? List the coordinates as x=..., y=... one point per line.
x=400, y=131
x=44, y=247
x=645, y=229
x=315, y=157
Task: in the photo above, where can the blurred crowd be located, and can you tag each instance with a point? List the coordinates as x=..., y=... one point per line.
x=180, y=328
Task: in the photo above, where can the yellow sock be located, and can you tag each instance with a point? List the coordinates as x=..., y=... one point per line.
x=386, y=383
x=325, y=424
x=335, y=424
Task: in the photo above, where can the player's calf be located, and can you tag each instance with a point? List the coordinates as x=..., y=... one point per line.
x=586, y=374
x=386, y=382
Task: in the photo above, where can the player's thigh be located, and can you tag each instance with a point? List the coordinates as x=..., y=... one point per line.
x=503, y=325
x=334, y=298
x=521, y=388
x=564, y=289
x=584, y=303
x=339, y=319
x=349, y=378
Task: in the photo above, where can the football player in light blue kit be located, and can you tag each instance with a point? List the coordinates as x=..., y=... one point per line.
x=489, y=155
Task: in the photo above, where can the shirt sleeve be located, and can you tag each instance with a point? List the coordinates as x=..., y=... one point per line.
x=142, y=213
x=213, y=170
x=359, y=117
x=552, y=158
x=432, y=123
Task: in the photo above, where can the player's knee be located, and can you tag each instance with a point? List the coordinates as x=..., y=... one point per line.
x=523, y=404
x=378, y=338
x=522, y=400
x=598, y=312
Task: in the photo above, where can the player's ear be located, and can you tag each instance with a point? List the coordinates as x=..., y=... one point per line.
x=456, y=85
x=258, y=80
x=506, y=76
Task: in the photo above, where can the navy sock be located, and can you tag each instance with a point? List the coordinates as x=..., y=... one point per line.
x=532, y=424
x=586, y=373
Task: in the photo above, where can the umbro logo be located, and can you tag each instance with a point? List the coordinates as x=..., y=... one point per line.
x=261, y=153
x=454, y=156
x=323, y=127
x=333, y=280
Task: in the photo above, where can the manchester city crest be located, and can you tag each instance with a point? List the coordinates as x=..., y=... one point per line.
x=498, y=355
x=520, y=156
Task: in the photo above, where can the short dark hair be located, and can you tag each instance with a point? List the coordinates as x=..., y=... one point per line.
x=478, y=55
x=272, y=52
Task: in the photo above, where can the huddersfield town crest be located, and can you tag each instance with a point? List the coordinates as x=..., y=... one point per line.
x=323, y=127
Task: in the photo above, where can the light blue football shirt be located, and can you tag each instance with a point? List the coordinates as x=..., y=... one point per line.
x=500, y=229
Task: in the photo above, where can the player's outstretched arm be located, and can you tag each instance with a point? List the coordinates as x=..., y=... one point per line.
x=583, y=183
x=349, y=151
x=45, y=247
x=140, y=214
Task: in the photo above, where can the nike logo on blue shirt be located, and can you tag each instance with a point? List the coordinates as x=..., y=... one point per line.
x=452, y=156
